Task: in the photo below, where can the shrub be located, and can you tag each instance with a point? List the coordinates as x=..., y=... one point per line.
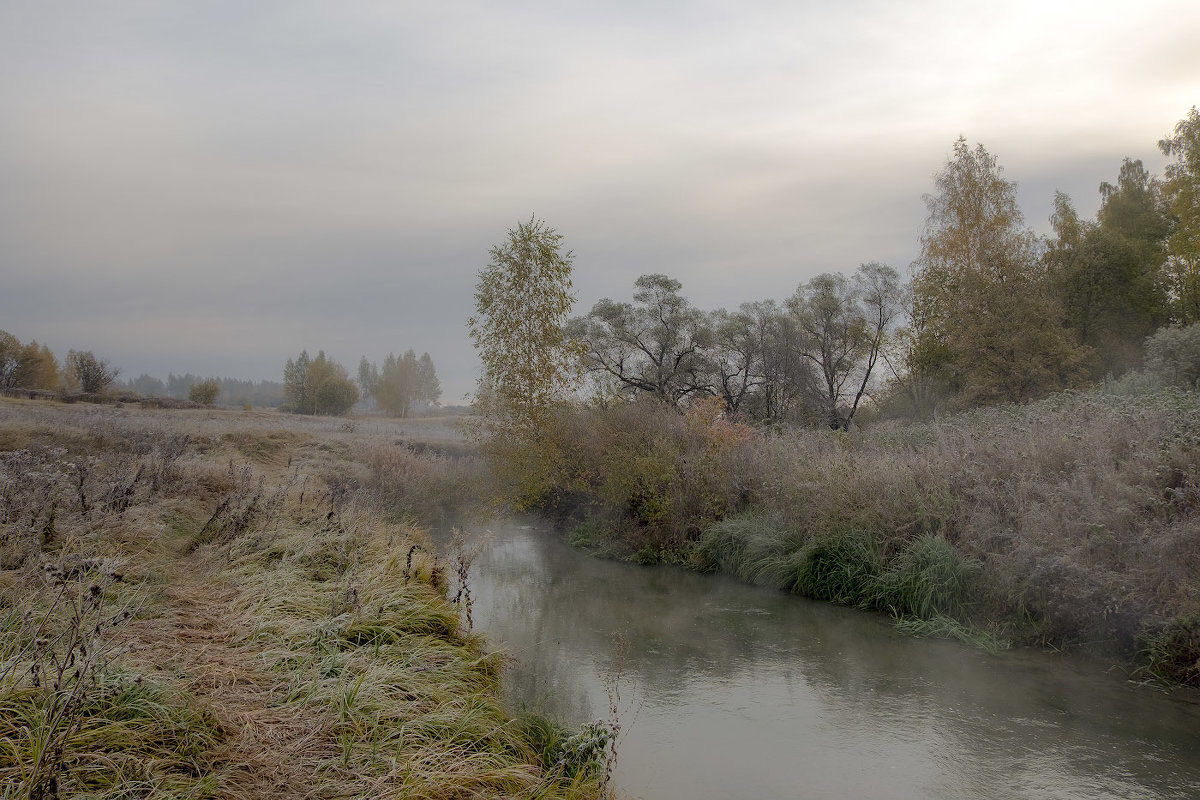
x=588, y=751
x=639, y=478
x=1173, y=355
x=666, y=475
x=205, y=393
x=92, y=374
x=336, y=396
x=430, y=486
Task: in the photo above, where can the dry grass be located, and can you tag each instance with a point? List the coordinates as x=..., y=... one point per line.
x=1075, y=520
x=219, y=604
x=1082, y=510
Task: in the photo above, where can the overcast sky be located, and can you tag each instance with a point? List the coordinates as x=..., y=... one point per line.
x=209, y=187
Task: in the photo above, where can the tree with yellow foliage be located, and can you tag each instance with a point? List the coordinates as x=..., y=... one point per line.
x=1182, y=192
x=986, y=327
x=522, y=301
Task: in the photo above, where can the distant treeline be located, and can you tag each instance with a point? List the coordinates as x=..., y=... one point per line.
x=232, y=391
x=33, y=367
x=323, y=386
x=404, y=385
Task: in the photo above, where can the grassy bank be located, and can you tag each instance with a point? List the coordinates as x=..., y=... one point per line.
x=224, y=604
x=1072, y=522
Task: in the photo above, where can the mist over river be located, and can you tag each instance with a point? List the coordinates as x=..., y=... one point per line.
x=728, y=690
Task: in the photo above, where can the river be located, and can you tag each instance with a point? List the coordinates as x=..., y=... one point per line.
x=728, y=690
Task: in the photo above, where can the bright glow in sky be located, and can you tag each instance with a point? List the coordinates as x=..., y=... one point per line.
x=209, y=187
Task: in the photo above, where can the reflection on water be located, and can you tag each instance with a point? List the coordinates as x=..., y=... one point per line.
x=732, y=691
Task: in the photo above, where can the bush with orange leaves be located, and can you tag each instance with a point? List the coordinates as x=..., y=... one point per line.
x=650, y=477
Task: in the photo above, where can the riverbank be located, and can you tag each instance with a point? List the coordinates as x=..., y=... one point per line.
x=216, y=604
x=1068, y=523
x=731, y=690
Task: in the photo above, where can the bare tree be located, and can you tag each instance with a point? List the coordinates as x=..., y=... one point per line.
x=656, y=345
x=882, y=300
x=735, y=360
x=843, y=325
x=10, y=360
x=93, y=374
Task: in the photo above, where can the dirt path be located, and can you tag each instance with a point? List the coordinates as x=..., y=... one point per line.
x=271, y=750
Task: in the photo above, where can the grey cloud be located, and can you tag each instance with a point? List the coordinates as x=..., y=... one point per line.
x=211, y=187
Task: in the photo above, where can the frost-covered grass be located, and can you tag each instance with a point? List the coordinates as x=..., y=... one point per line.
x=1073, y=521
x=242, y=604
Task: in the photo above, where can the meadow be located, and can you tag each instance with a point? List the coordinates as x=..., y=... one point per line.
x=207, y=603
x=198, y=602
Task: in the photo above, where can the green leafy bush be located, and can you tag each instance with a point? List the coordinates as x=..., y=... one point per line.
x=205, y=392
x=587, y=752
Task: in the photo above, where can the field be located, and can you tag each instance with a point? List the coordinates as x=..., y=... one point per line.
x=208, y=603
x=202, y=603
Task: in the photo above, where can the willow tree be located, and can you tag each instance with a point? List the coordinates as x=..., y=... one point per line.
x=522, y=301
x=657, y=345
x=843, y=325
x=92, y=375
x=985, y=324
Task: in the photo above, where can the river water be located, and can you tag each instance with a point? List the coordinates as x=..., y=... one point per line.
x=730, y=691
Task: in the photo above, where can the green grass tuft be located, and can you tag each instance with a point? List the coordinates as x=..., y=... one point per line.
x=942, y=627
x=928, y=578
x=841, y=568
x=755, y=548
x=1172, y=652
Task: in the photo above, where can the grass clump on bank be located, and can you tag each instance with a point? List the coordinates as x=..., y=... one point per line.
x=927, y=579
x=840, y=568
x=755, y=548
x=1171, y=651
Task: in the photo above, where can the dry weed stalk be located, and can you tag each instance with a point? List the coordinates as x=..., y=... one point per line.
x=463, y=554
x=612, y=690
x=65, y=663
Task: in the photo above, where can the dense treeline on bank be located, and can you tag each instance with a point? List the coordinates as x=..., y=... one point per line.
x=992, y=314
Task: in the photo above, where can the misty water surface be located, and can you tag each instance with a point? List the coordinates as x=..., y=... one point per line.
x=732, y=691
